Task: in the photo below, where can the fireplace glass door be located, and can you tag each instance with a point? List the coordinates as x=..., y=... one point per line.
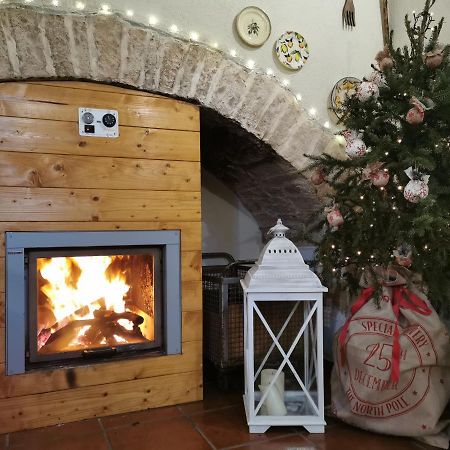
x=96, y=302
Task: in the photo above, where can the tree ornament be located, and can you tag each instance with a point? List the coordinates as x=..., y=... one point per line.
x=415, y=116
x=380, y=178
x=349, y=135
x=378, y=78
x=403, y=255
x=334, y=217
x=318, y=177
x=358, y=209
x=382, y=54
x=417, y=187
x=356, y=148
x=367, y=90
x=386, y=63
x=434, y=58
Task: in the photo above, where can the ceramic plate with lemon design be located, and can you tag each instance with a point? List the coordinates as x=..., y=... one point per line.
x=292, y=50
x=342, y=90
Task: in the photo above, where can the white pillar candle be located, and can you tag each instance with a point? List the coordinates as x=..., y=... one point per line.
x=267, y=375
x=274, y=401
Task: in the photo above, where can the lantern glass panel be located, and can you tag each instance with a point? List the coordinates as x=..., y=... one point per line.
x=284, y=334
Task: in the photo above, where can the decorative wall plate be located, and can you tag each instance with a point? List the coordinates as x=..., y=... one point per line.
x=344, y=88
x=253, y=26
x=292, y=50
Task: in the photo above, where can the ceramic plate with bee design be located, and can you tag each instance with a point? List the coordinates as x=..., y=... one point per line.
x=253, y=26
x=343, y=89
x=292, y=50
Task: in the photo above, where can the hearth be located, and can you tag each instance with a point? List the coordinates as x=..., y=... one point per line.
x=72, y=296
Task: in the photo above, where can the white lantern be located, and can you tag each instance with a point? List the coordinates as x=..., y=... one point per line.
x=284, y=382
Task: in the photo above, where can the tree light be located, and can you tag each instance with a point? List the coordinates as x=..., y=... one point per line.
x=194, y=35
x=80, y=5
x=173, y=28
x=152, y=20
x=312, y=111
x=215, y=45
x=233, y=52
x=250, y=64
x=105, y=9
x=269, y=71
x=359, y=252
x=285, y=82
x=55, y=2
x=130, y=13
x=326, y=124
x=299, y=97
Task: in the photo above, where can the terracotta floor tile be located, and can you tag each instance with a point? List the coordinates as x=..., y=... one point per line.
x=292, y=442
x=68, y=431
x=170, y=434
x=341, y=436
x=95, y=441
x=228, y=426
x=135, y=418
x=212, y=399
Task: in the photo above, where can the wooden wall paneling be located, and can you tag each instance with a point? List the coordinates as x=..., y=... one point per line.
x=52, y=380
x=66, y=171
x=58, y=103
x=190, y=231
x=51, y=179
x=81, y=205
x=58, y=137
x=94, y=401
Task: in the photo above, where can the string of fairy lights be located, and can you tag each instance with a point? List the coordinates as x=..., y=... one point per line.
x=194, y=36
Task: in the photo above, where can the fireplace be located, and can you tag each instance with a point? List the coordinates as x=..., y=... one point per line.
x=77, y=296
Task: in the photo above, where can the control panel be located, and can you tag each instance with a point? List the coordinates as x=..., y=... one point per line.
x=98, y=122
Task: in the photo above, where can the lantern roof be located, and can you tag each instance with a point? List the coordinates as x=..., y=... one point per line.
x=281, y=268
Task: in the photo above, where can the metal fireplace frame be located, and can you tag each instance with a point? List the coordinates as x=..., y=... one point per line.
x=20, y=244
x=33, y=255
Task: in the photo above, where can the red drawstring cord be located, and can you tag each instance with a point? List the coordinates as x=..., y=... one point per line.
x=401, y=298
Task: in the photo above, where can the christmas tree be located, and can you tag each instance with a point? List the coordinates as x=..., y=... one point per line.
x=388, y=202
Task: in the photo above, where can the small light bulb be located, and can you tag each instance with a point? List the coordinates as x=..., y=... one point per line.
x=173, y=28
x=104, y=9
x=400, y=188
x=381, y=188
x=194, y=35
x=298, y=97
x=399, y=140
x=312, y=111
x=269, y=71
x=372, y=256
x=334, y=269
x=431, y=13
x=28, y=1
x=152, y=20
x=371, y=225
x=394, y=208
x=425, y=247
x=326, y=124
x=386, y=153
x=250, y=64
x=80, y=5
x=285, y=82
x=359, y=252
x=215, y=45
x=333, y=246
x=233, y=52
x=55, y=2
x=130, y=13
x=362, y=197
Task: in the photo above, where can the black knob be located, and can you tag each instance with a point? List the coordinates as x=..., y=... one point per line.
x=109, y=120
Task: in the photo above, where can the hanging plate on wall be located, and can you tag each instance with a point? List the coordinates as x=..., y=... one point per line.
x=292, y=50
x=343, y=89
x=253, y=26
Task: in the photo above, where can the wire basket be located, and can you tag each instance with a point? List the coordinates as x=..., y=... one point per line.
x=223, y=316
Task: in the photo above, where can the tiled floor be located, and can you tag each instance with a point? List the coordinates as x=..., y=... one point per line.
x=217, y=422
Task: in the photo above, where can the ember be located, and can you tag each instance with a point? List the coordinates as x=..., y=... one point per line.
x=88, y=302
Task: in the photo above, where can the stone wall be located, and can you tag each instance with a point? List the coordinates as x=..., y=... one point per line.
x=43, y=44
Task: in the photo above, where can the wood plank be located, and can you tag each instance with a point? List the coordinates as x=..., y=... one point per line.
x=93, y=86
x=94, y=401
x=58, y=103
x=96, y=205
x=191, y=293
x=3, y=309
x=95, y=172
x=55, y=136
x=191, y=238
x=41, y=381
x=192, y=326
x=2, y=345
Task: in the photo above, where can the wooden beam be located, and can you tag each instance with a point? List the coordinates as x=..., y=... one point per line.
x=384, y=9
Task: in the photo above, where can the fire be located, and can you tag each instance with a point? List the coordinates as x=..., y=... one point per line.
x=92, y=285
x=84, y=302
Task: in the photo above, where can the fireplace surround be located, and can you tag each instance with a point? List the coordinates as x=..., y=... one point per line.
x=72, y=295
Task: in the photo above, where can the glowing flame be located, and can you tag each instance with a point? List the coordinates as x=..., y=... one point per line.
x=77, y=282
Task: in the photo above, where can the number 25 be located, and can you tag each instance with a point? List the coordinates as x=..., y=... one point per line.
x=382, y=363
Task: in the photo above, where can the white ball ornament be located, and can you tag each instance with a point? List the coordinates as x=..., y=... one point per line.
x=378, y=78
x=380, y=178
x=417, y=187
x=367, y=90
x=356, y=148
x=335, y=219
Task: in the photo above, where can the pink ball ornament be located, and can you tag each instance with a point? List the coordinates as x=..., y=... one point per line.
x=318, y=177
x=380, y=178
x=415, y=191
x=415, y=116
x=356, y=148
x=335, y=218
x=367, y=90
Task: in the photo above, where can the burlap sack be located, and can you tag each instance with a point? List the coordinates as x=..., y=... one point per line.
x=392, y=365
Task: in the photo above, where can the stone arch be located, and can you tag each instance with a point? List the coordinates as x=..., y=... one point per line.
x=36, y=43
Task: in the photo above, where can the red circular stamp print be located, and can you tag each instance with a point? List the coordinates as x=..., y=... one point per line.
x=366, y=375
